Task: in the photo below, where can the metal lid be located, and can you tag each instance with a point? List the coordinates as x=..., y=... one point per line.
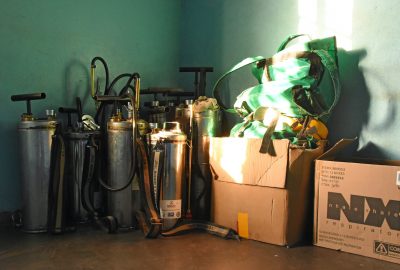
x=121, y=125
x=172, y=126
x=171, y=132
x=154, y=125
x=38, y=124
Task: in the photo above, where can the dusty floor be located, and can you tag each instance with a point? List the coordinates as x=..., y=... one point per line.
x=93, y=249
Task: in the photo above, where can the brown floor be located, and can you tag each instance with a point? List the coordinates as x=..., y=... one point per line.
x=93, y=249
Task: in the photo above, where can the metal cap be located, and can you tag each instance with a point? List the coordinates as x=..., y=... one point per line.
x=171, y=126
x=153, y=125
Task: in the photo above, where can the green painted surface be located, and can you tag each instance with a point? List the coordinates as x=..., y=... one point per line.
x=222, y=33
x=47, y=46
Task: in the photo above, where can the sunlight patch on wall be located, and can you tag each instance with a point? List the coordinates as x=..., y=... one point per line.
x=327, y=18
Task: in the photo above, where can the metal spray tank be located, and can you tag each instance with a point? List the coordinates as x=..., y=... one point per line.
x=167, y=170
x=35, y=140
x=76, y=139
x=120, y=163
x=202, y=120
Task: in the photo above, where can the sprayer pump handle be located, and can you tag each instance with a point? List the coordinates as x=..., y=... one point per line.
x=27, y=97
x=67, y=110
x=112, y=99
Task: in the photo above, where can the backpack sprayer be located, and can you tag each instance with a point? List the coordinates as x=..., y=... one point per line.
x=117, y=158
x=35, y=140
x=164, y=182
x=120, y=162
x=76, y=139
x=87, y=156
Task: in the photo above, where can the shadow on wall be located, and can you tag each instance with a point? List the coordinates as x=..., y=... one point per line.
x=351, y=112
x=76, y=83
x=232, y=86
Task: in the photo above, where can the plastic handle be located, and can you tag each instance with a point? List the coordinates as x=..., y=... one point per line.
x=32, y=96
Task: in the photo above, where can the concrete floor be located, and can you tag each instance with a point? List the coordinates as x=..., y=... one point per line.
x=93, y=249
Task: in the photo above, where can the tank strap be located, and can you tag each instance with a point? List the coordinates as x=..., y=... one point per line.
x=149, y=220
x=57, y=186
x=106, y=223
x=206, y=226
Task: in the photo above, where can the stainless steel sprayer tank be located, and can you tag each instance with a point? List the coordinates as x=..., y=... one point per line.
x=201, y=120
x=168, y=163
x=35, y=139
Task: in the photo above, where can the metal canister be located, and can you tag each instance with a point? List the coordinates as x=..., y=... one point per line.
x=75, y=151
x=170, y=142
x=157, y=113
x=120, y=164
x=206, y=124
x=183, y=116
x=35, y=139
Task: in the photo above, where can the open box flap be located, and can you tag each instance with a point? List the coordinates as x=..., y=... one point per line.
x=336, y=149
x=238, y=160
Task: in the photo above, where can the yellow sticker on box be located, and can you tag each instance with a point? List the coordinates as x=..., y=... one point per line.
x=243, y=225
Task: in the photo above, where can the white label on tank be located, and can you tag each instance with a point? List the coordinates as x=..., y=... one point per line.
x=398, y=179
x=170, y=209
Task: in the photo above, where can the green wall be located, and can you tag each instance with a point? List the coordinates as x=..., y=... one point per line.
x=47, y=46
x=222, y=33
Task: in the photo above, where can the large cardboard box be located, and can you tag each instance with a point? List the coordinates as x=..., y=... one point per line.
x=267, y=197
x=357, y=205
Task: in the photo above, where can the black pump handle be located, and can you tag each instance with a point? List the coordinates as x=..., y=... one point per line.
x=111, y=99
x=67, y=110
x=28, y=97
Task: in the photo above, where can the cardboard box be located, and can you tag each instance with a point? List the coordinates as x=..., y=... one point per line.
x=357, y=205
x=267, y=197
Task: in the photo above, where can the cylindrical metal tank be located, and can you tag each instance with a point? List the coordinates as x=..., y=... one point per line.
x=120, y=164
x=157, y=113
x=35, y=139
x=206, y=124
x=75, y=151
x=183, y=115
x=171, y=143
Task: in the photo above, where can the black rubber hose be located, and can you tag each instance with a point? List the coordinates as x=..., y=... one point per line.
x=130, y=179
x=93, y=64
x=128, y=83
x=123, y=75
